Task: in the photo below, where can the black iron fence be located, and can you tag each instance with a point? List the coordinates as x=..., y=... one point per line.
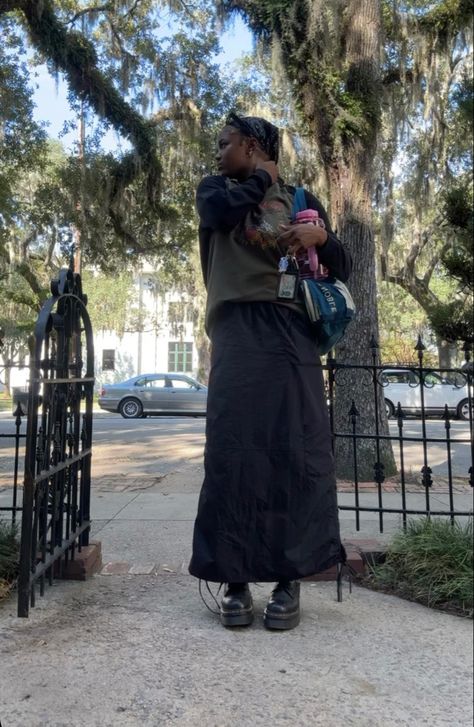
x=13, y=443
x=411, y=395
x=55, y=507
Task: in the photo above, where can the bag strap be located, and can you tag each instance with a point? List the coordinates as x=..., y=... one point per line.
x=299, y=202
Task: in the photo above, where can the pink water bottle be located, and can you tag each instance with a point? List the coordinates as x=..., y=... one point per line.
x=310, y=217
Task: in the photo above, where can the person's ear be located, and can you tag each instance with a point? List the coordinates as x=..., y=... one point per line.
x=252, y=146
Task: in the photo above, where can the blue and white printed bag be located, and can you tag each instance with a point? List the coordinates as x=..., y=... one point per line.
x=328, y=302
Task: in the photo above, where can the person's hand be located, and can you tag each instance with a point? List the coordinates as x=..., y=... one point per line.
x=300, y=237
x=269, y=167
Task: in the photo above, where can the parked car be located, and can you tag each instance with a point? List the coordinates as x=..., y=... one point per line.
x=403, y=385
x=155, y=394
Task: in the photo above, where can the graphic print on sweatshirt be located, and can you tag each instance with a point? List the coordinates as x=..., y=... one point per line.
x=262, y=226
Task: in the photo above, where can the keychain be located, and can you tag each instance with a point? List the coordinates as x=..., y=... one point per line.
x=289, y=278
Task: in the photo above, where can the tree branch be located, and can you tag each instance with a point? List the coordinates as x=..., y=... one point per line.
x=87, y=11
x=393, y=75
x=433, y=263
x=416, y=288
x=6, y=6
x=26, y=272
x=73, y=54
x=25, y=243
x=50, y=248
x=411, y=258
x=119, y=40
x=133, y=8
x=187, y=109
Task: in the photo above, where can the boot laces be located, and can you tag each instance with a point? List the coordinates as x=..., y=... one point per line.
x=209, y=608
x=284, y=586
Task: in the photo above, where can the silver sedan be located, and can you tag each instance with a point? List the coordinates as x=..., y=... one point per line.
x=155, y=394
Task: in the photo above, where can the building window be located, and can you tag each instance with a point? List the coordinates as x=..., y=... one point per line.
x=180, y=357
x=108, y=359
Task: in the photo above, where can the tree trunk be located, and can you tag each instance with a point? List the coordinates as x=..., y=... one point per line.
x=446, y=353
x=361, y=386
x=203, y=345
x=8, y=358
x=351, y=191
x=7, y=374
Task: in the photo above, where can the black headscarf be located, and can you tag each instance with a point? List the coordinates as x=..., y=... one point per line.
x=256, y=128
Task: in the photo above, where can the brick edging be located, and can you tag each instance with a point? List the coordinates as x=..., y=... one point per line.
x=359, y=554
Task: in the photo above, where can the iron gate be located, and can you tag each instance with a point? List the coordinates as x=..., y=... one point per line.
x=56, y=494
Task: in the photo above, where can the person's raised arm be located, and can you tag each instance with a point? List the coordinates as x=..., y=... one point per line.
x=221, y=206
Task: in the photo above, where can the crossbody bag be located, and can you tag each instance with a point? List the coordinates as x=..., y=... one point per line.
x=328, y=302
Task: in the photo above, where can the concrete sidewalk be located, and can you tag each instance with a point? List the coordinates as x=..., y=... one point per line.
x=155, y=526
x=142, y=650
x=146, y=521
x=135, y=645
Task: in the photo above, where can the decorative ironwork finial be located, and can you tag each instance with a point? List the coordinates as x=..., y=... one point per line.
x=446, y=417
x=374, y=347
x=467, y=351
x=420, y=347
x=353, y=412
x=419, y=344
x=72, y=253
x=373, y=343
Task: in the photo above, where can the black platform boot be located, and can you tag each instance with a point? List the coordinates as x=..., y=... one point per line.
x=283, y=608
x=236, y=605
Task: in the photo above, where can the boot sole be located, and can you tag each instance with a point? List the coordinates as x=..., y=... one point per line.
x=281, y=623
x=237, y=618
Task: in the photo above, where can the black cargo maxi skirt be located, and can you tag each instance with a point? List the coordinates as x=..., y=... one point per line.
x=267, y=509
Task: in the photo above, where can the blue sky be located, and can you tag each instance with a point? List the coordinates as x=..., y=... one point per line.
x=52, y=105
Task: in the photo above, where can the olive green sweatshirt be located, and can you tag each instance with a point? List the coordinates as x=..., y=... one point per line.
x=239, y=227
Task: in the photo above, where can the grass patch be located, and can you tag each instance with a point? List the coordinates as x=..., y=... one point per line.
x=5, y=404
x=431, y=563
x=9, y=557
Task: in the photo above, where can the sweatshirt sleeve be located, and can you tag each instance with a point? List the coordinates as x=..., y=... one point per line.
x=223, y=207
x=333, y=254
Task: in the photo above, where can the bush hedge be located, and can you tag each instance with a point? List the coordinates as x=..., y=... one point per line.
x=432, y=563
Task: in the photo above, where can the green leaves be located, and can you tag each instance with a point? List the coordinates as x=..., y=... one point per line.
x=22, y=140
x=432, y=563
x=9, y=552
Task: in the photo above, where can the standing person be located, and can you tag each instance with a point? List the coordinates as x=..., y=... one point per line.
x=267, y=510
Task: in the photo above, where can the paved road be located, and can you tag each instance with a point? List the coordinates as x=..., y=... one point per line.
x=159, y=445
x=175, y=440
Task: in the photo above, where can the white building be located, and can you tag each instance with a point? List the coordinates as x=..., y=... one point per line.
x=165, y=341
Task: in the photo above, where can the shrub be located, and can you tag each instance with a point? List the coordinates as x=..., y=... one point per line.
x=432, y=562
x=9, y=552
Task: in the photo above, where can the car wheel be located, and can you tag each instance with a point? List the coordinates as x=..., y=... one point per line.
x=390, y=409
x=463, y=409
x=131, y=409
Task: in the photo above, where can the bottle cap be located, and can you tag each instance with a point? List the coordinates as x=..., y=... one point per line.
x=306, y=216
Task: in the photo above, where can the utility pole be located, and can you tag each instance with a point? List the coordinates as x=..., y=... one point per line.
x=80, y=199
x=76, y=230
x=140, y=322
